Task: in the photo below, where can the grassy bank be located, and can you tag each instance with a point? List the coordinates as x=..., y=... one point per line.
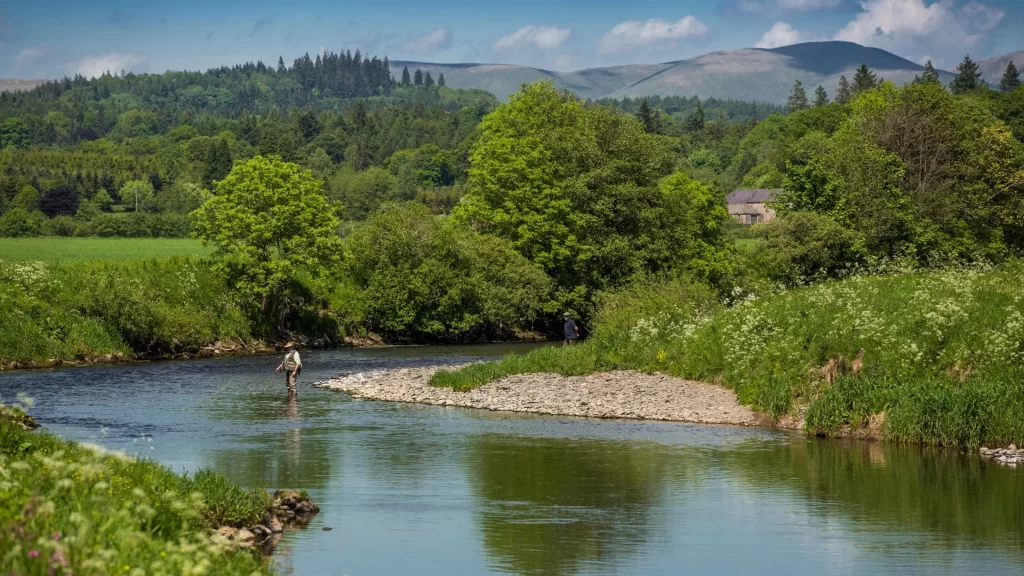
x=97, y=249
x=76, y=310
x=940, y=364
x=68, y=508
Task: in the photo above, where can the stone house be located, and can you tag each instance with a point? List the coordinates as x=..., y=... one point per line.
x=750, y=206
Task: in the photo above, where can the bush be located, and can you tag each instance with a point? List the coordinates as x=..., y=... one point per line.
x=423, y=276
x=802, y=247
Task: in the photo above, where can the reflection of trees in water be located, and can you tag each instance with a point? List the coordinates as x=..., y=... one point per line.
x=553, y=505
x=293, y=458
x=894, y=487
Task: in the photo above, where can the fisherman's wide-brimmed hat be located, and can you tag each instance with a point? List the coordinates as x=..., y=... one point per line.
x=565, y=314
x=290, y=345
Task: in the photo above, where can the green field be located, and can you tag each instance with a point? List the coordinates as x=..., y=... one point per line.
x=747, y=244
x=86, y=249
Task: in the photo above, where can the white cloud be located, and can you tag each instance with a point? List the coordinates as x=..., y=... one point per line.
x=913, y=28
x=781, y=34
x=434, y=40
x=543, y=37
x=114, y=62
x=29, y=55
x=634, y=33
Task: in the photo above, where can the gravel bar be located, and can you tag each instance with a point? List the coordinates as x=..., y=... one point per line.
x=625, y=394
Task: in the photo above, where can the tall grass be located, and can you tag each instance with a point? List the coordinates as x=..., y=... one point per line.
x=71, y=311
x=941, y=360
x=67, y=508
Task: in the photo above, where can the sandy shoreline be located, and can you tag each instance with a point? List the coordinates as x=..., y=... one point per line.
x=624, y=394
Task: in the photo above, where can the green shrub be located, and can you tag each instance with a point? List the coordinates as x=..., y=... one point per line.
x=804, y=247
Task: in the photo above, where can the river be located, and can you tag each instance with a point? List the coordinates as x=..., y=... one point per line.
x=433, y=490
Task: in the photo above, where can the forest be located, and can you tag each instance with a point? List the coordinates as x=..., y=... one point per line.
x=435, y=213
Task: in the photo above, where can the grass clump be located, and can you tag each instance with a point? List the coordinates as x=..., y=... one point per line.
x=941, y=360
x=68, y=508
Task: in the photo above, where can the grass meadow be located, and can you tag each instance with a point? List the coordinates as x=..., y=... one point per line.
x=97, y=249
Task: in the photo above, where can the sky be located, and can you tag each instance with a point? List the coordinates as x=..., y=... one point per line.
x=54, y=38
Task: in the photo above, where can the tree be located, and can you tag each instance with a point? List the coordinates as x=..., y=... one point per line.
x=428, y=80
x=820, y=97
x=280, y=65
x=27, y=198
x=440, y=79
x=967, y=79
x=268, y=220
x=418, y=78
x=1011, y=78
x=137, y=193
x=218, y=161
x=930, y=75
x=575, y=188
x=843, y=91
x=647, y=117
x=797, y=98
x=103, y=200
x=406, y=81
x=695, y=121
x=863, y=80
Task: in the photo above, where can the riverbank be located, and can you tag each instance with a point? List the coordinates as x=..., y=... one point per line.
x=73, y=507
x=623, y=394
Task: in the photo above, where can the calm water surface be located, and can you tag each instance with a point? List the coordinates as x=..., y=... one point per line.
x=433, y=490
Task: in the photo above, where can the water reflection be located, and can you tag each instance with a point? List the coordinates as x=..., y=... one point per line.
x=953, y=498
x=556, y=505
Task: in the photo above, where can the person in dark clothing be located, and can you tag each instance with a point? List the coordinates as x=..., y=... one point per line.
x=572, y=332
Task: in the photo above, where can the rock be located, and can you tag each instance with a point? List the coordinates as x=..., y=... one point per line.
x=260, y=531
x=306, y=507
x=1012, y=447
x=327, y=528
x=271, y=522
x=245, y=538
x=228, y=532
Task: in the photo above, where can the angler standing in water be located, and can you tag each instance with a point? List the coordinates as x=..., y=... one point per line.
x=292, y=366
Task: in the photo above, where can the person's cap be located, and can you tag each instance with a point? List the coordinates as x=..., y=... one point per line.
x=290, y=345
x=565, y=314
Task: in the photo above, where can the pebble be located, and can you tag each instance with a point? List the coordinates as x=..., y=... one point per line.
x=624, y=394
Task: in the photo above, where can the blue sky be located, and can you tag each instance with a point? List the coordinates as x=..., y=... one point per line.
x=52, y=38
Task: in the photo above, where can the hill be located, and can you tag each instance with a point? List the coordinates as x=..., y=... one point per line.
x=992, y=69
x=751, y=74
x=17, y=84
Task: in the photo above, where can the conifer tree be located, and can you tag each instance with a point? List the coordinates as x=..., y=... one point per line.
x=1011, y=78
x=797, y=98
x=406, y=81
x=440, y=79
x=647, y=117
x=967, y=78
x=417, y=78
x=695, y=121
x=929, y=76
x=820, y=97
x=280, y=65
x=843, y=91
x=863, y=80
x=427, y=80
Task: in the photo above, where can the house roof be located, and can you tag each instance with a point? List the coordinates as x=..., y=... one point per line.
x=750, y=196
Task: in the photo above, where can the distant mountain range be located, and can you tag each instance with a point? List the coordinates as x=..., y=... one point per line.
x=750, y=74
x=992, y=69
x=753, y=74
x=15, y=84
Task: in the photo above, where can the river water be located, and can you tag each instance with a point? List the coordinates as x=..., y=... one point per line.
x=434, y=490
